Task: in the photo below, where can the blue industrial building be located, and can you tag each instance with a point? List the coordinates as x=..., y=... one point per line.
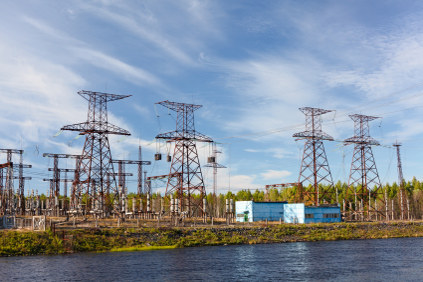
x=250, y=211
x=300, y=213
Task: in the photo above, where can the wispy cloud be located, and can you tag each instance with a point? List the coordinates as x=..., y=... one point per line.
x=277, y=152
x=154, y=24
x=133, y=74
x=275, y=174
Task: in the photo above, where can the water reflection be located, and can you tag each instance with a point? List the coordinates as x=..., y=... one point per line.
x=367, y=260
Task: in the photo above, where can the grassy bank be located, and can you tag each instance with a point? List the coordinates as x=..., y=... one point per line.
x=15, y=243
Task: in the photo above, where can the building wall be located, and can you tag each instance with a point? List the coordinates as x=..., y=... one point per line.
x=249, y=211
x=322, y=214
x=244, y=211
x=294, y=213
x=272, y=211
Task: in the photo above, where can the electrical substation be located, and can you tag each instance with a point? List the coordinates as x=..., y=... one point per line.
x=96, y=187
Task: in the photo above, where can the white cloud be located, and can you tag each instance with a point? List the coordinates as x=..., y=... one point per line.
x=97, y=58
x=155, y=25
x=277, y=152
x=144, y=111
x=133, y=74
x=408, y=128
x=275, y=174
x=240, y=181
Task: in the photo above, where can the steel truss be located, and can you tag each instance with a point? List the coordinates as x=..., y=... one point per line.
x=95, y=166
x=185, y=177
x=315, y=168
x=364, y=182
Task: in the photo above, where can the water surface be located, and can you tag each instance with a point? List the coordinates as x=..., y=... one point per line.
x=361, y=260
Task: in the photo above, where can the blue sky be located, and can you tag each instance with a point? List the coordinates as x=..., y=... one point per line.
x=251, y=64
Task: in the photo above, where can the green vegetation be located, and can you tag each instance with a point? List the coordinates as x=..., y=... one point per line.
x=13, y=243
x=142, y=248
x=16, y=243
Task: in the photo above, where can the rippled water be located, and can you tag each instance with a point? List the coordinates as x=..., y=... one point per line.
x=362, y=260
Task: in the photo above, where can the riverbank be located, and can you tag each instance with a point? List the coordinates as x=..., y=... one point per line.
x=21, y=243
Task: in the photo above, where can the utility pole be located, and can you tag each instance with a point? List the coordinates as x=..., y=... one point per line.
x=212, y=162
x=314, y=165
x=147, y=184
x=139, y=187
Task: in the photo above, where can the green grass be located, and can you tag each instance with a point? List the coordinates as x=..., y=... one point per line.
x=143, y=248
x=16, y=243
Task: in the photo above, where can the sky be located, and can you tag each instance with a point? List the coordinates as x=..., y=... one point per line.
x=250, y=64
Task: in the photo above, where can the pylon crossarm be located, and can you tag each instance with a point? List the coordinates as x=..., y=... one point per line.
x=105, y=97
x=96, y=127
x=184, y=136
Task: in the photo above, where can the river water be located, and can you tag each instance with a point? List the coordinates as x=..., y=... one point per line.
x=361, y=260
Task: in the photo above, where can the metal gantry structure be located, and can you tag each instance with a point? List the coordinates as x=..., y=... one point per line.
x=121, y=171
x=315, y=168
x=12, y=202
x=52, y=205
x=364, y=183
x=185, y=177
x=95, y=168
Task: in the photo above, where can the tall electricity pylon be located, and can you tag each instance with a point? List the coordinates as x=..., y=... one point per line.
x=314, y=165
x=95, y=165
x=403, y=197
x=185, y=177
x=364, y=182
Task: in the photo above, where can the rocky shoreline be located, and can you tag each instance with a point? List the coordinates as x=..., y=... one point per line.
x=22, y=243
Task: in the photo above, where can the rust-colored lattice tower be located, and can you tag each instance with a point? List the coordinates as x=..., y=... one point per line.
x=364, y=182
x=185, y=177
x=95, y=166
x=403, y=197
x=315, y=169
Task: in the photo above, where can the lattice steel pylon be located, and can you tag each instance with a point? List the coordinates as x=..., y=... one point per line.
x=95, y=165
x=403, y=197
x=315, y=168
x=363, y=172
x=185, y=177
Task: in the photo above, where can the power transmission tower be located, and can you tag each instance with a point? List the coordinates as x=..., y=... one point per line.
x=403, y=195
x=363, y=172
x=314, y=165
x=95, y=166
x=185, y=175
